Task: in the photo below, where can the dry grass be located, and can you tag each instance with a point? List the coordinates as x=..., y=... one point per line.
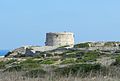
x=112, y=75
x=17, y=77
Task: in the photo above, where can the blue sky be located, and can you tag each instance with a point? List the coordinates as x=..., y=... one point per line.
x=25, y=22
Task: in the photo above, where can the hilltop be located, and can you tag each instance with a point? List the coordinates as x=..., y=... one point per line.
x=100, y=58
x=103, y=47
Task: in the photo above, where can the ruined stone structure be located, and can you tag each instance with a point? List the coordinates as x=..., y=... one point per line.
x=59, y=39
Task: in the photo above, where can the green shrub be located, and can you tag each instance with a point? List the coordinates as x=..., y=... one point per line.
x=10, y=61
x=2, y=65
x=90, y=56
x=82, y=45
x=48, y=61
x=30, y=64
x=35, y=73
x=31, y=60
x=14, y=68
x=68, y=61
x=78, y=68
x=82, y=57
x=26, y=65
x=117, y=61
x=110, y=44
x=80, y=61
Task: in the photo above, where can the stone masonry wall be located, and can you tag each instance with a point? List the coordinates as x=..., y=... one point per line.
x=59, y=39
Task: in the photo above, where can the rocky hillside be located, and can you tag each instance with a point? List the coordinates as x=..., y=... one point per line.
x=83, y=58
x=102, y=47
x=88, y=52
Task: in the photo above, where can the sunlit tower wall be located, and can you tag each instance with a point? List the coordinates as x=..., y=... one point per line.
x=59, y=39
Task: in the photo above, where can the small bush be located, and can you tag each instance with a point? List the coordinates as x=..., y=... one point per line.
x=14, y=68
x=80, y=61
x=2, y=65
x=31, y=60
x=10, y=61
x=90, y=56
x=30, y=64
x=35, y=73
x=82, y=45
x=48, y=61
x=117, y=61
x=68, y=61
x=78, y=68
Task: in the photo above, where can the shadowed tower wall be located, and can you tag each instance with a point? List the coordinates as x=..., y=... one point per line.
x=59, y=39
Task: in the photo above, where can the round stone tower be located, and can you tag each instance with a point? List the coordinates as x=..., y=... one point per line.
x=59, y=39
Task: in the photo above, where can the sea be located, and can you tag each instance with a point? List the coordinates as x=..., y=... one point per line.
x=3, y=53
